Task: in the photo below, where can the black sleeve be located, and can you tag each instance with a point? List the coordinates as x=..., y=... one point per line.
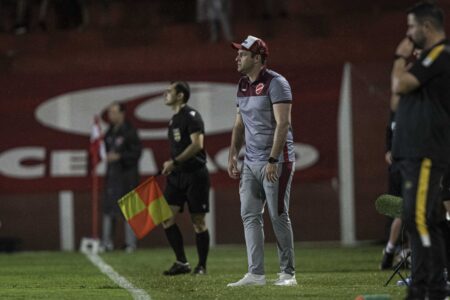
x=389, y=131
x=429, y=66
x=132, y=150
x=195, y=123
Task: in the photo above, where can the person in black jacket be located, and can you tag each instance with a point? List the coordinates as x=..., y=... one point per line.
x=421, y=143
x=123, y=150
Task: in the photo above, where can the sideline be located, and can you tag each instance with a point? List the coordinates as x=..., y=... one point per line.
x=138, y=294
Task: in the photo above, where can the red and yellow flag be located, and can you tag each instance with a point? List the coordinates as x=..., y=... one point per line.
x=145, y=207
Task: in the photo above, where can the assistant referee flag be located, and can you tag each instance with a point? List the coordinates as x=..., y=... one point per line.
x=145, y=207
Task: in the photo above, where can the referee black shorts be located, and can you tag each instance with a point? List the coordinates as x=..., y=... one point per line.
x=189, y=187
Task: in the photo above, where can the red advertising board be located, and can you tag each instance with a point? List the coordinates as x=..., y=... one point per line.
x=46, y=122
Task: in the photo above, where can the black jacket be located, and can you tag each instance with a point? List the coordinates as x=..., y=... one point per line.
x=122, y=175
x=423, y=115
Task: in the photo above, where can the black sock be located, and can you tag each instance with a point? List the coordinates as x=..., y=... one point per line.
x=175, y=239
x=202, y=240
x=445, y=228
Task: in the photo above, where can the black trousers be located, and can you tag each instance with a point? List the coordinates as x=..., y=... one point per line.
x=422, y=205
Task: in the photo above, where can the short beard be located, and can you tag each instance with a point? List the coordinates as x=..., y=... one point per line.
x=418, y=44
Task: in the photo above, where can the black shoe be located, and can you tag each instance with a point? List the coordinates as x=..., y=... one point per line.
x=178, y=268
x=199, y=270
x=387, y=260
x=20, y=29
x=415, y=293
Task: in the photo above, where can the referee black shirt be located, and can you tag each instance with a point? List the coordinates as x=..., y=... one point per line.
x=184, y=123
x=423, y=115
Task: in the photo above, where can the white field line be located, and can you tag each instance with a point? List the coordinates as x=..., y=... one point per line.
x=138, y=294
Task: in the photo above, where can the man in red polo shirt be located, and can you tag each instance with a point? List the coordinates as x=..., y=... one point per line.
x=263, y=122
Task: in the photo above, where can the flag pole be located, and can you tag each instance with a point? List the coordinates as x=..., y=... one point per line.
x=96, y=153
x=92, y=244
x=94, y=201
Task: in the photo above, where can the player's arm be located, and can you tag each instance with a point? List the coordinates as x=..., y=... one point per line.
x=237, y=136
x=402, y=81
x=237, y=141
x=282, y=114
x=395, y=99
x=196, y=145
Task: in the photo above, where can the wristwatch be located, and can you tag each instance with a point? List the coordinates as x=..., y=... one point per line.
x=273, y=160
x=175, y=162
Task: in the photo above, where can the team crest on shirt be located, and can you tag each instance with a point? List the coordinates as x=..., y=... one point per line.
x=176, y=134
x=259, y=88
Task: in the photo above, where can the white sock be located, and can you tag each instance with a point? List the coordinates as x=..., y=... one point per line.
x=390, y=247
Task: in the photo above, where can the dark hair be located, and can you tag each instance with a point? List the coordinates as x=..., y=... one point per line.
x=120, y=105
x=263, y=57
x=182, y=87
x=428, y=11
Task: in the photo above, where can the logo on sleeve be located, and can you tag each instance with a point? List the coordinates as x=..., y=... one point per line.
x=192, y=113
x=259, y=88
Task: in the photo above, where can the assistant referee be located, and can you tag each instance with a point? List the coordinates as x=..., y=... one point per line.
x=187, y=178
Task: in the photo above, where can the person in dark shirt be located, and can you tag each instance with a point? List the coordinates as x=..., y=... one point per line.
x=445, y=223
x=187, y=178
x=421, y=142
x=123, y=150
x=394, y=188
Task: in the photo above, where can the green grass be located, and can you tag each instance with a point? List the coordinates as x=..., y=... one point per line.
x=322, y=273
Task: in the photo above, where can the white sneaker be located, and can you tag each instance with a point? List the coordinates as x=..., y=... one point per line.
x=286, y=280
x=249, y=279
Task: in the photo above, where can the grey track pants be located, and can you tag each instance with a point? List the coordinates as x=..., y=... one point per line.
x=109, y=222
x=254, y=192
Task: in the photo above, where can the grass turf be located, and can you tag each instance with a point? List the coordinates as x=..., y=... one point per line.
x=323, y=272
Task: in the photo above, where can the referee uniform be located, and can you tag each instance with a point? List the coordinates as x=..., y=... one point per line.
x=189, y=182
x=187, y=178
x=422, y=146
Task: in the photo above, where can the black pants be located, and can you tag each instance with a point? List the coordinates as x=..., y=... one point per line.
x=394, y=180
x=422, y=203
